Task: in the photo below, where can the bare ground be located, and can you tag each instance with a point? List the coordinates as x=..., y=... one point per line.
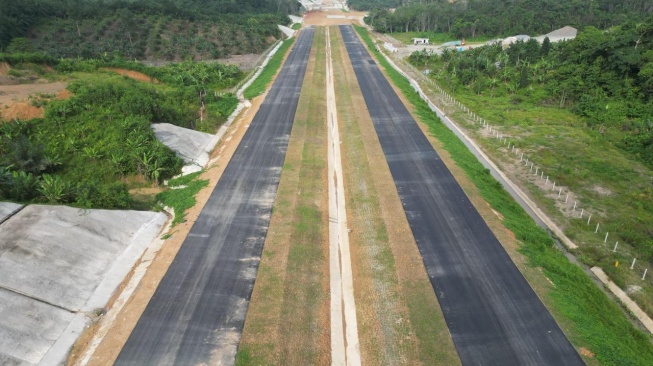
x=14, y=99
x=4, y=68
x=139, y=76
x=322, y=17
x=243, y=62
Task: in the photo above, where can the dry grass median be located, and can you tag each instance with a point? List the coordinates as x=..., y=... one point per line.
x=287, y=321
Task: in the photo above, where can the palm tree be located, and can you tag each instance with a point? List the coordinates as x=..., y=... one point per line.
x=55, y=189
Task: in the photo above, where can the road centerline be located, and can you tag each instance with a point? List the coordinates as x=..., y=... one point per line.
x=345, y=348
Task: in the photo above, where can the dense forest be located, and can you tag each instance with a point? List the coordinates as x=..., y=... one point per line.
x=149, y=29
x=496, y=18
x=365, y=5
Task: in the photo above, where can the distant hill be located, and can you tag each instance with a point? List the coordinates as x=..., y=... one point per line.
x=144, y=29
x=492, y=18
x=156, y=37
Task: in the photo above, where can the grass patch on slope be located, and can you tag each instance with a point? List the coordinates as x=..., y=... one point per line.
x=265, y=78
x=181, y=199
x=591, y=318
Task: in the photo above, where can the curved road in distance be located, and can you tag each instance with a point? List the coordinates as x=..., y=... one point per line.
x=197, y=313
x=494, y=316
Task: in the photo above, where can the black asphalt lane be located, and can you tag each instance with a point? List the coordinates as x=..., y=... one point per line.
x=197, y=313
x=493, y=315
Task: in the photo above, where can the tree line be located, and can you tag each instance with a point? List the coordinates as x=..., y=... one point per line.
x=605, y=77
x=20, y=18
x=495, y=18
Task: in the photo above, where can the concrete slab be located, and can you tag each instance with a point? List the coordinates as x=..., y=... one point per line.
x=287, y=31
x=190, y=145
x=296, y=19
x=28, y=328
x=57, y=265
x=6, y=209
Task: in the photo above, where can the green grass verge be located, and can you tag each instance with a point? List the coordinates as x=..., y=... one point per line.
x=593, y=320
x=435, y=38
x=263, y=80
x=296, y=26
x=182, y=199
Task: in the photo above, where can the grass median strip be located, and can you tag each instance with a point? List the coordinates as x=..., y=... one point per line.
x=399, y=317
x=287, y=321
x=588, y=317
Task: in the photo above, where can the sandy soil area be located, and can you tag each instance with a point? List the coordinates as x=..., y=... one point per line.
x=133, y=74
x=333, y=17
x=4, y=68
x=244, y=62
x=14, y=99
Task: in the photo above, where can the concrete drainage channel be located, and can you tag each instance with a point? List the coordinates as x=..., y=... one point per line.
x=344, y=328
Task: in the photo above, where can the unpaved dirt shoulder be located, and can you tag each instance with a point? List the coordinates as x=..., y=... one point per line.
x=287, y=322
x=400, y=321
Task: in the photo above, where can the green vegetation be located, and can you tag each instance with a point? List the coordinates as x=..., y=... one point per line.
x=590, y=318
x=492, y=18
x=364, y=5
x=90, y=149
x=144, y=29
x=181, y=196
x=265, y=77
x=434, y=37
x=583, y=111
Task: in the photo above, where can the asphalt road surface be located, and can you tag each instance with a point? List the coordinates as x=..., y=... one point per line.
x=493, y=315
x=197, y=313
